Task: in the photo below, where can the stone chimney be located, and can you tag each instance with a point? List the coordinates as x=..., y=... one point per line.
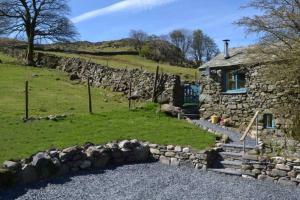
x=226, y=51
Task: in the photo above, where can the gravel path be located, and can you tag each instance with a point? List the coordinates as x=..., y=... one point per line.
x=153, y=181
x=234, y=136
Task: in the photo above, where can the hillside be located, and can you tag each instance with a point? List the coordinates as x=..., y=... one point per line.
x=117, y=54
x=52, y=93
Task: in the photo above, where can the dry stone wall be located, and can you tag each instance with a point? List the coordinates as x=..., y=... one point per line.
x=277, y=169
x=263, y=95
x=55, y=162
x=168, y=85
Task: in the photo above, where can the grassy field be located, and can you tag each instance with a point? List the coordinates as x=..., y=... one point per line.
x=52, y=93
x=132, y=61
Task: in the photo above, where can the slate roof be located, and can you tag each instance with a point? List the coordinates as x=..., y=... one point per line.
x=238, y=56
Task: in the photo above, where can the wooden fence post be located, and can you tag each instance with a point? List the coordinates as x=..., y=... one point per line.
x=26, y=101
x=155, y=85
x=90, y=96
x=129, y=97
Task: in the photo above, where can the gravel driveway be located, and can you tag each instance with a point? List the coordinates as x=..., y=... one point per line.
x=152, y=181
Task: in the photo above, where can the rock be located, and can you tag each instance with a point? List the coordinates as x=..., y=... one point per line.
x=93, y=151
x=248, y=176
x=283, y=167
x=53, y=153
x=101, y=161
x=141, y=153
x=175, y=162
x=13, y=166
x=85, y=164
x=7, y=177
x=135, y=143
x=177, y=149
x=170, y=154
x=112, y=145
x=43, y=164
x=154, y=151
x=186, y=150
x=265, y=178
x=286, y=181
x=29, y=174
x=170, y=110
x=297, y=168
x=125, y=144
x=153, y=146
x=63, y=170
x=278, y=173
x=74, y=76
x=298, y=177
x=292, y=174
x=56, y=162
x=68, y=153
x=164, y=160
x=170, y=147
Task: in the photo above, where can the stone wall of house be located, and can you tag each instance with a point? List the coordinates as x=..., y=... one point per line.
x=168, y=85
x=277, y=169
x=269, y=98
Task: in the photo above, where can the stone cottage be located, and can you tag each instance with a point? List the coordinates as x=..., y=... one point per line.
x=234, y=85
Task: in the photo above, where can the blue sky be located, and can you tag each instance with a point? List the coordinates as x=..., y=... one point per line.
x=100, y=20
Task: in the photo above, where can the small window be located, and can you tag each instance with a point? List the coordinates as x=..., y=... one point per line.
x=234, y=81
x=269, y=121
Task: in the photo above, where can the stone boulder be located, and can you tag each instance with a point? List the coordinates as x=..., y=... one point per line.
x=142, y=153
x=28, y=174
x=71, y=154
x=98, y=157
x=170, y=110
x=12, y=165
x=7, y=177
x=43, y=164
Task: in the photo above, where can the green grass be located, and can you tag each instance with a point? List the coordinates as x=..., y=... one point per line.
x=52, y=93
x=133, y=61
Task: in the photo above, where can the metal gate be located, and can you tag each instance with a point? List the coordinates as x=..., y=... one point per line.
x=191, y=94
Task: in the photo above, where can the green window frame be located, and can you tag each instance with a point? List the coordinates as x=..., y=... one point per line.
x=269, y=121
x=234, y=82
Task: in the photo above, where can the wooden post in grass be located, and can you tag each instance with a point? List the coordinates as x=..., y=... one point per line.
x=129, y=96
x=26, y=101
x=90, y=96
x=155, y=85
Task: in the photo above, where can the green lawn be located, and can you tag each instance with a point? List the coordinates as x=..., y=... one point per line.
x=52, y=93
x=133, y=61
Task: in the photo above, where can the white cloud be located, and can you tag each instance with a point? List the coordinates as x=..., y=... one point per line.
x=122, y=6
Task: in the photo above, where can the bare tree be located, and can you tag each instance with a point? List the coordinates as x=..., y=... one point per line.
x=138, y=39
x=203, y=47
x=37, y=20
x=279, y=25
x=182, y=39
x=279, y=28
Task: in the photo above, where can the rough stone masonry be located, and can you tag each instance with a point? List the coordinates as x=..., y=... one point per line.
x=118, y=79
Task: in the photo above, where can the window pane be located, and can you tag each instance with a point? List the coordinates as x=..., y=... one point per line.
x=230, y=81
x=241, y=80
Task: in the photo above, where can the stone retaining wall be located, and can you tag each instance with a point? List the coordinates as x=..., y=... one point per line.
x=277, y=169
x=183, y=156
x=55, y=162
x=116, y=79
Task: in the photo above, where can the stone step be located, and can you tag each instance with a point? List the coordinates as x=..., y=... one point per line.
x=231, y=155
x=231, y=164
x=237, y=148
x=228, y=171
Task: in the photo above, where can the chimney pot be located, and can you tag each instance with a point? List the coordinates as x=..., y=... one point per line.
x=226, y=47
